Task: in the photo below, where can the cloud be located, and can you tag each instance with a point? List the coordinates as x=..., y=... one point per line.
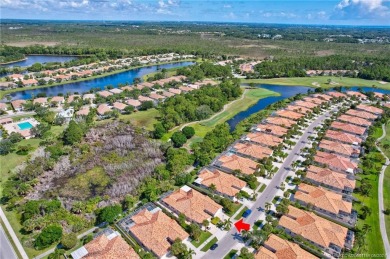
x=363, y=9
x=288, y=15
x=227, y=6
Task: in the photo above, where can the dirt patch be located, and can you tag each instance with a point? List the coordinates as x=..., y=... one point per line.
x=31, y=43
x=316, y=84
x=382, y=82
x=322, y=53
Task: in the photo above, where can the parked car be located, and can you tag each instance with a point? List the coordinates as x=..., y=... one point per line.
x=213, y=247
x=246, y=213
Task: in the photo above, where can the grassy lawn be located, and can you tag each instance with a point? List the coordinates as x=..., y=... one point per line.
x=230, y=254
x=251, y=96
x=239, y=215
x=236, y=208
x=262, y=187
x=386, y=181
x=142, y=119
x=209, y=244
x=205, y=235
x=321, y=80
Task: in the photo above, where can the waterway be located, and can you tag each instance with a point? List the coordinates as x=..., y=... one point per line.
x=39, y=59
x=285, y=92
x=126, y=77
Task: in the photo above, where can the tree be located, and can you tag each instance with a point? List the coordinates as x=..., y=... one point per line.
x=268, y=206
x=206, y=223
x=129, y=109
x=69, y=241
x=73, y=134
x=146, y=105
x=58, y=254
x=48, y=236
x=6, y=146
x=15, y=137
x=366, y=229
x=178, y=139
x=109, y=214
x=366, y=211
x=159, y=130
x=195, y=231
x=40, y=130
x=245, y=254
x=189, y=132
x=178, y=249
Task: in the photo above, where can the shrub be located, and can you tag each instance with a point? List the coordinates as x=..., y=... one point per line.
x=109, y=214
x=69, y=241
x=178, y=139
x=215, y=220
x=48, y=236
x=189, y=132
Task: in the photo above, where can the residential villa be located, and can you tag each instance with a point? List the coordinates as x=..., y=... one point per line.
x=115, y=91
x=324, y=234
x=174, y=91
x=346, y=127
x=325, y=202
x=225, y=184
x=3, y=107
x=105, y=246
x=343, y=137
x=167, y=94
x=156, y=231
x=263, y=139
x=84, y=111
x=144, y=99
x=72, y=98
x=355, y=120
x=369, y=108
x=278, y=248
x=230, y=162
x=103, y=109
x=195, y=206
x=157, y=97
x=323, y=97
x=317, y=101
x=356, y=94
x=58, y=99
x=289, y=114
x=186, y=89
x=42, y=101
x=335, y=162
x=307, y=105
x=362, y=114
x=251, y=151
x=341, y=149
x=379, y=96
x=338, y=182
x=89, y=97
x=337, y=94
x=298, y=109
x=272, y=129
x=29, y=82
x=135, y=103
x=17, y=105
x=104, y=94
x=281, y=121
x=119, y=106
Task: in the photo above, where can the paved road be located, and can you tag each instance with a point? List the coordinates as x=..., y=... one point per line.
x=6, y=250
x=385, y=238
x=13, y=236
x=232, y=238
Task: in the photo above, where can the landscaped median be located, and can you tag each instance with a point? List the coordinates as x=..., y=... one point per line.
x=203, y=237
x=209, y=244
x=239, y=215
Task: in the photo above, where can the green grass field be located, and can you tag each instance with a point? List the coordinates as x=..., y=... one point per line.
x=386, y=181
x=209, y=244
x=321, y=80
x=142, y=119
x=239, y=215
x=203, y=237
x=231, y=254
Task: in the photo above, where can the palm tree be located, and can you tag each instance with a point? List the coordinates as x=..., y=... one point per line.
x=227, y=224
x=188, y=254
x=268, y=206
x=213, y=187
x=366, y=229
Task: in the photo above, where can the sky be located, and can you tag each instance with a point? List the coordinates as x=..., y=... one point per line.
x=338, y=12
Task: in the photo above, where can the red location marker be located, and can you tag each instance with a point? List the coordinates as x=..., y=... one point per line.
x=241, y=225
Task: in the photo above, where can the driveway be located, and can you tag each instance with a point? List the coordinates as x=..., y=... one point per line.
x=233, y=238
x=6, y=250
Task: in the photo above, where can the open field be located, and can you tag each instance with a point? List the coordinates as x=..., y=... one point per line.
x=320, y=80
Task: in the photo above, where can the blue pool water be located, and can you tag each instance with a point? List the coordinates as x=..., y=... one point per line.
x=25, y=125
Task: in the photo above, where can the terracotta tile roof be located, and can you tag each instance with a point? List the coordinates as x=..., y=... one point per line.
x=379, y=95
x=336, y=161
x=103, y=248
x=41, y=100
x=314, y=228
x=59, y=99
x=103, y=108
x=361, y=114
x=387, y=105
x=322, y=96
x=234, y=162
x=134, y=103
x=369, y=108
x=255, y=151
x=147, y=84
x=72, y=97
x=289, y=114
x=329, y=177
x=83, y=111
x=3, y=106
x=323, y=199
x=348, y=127
x=29, y=81
x=193, y=204
x=336, y=94
x=357, y=94
x=264, y=139
x=298, y=109
x=282, y=249
x=340, y=148
x=16, y=76
x=272, y=129
x=119, y=106
x=224, y=183
x=129, y=88
x=156, y=96
x=343, y=137
x=167, y=94
x=175, y=91
x=354, y=120
x=18, y=103
x=304, y=104
x=186, y=88
x=115, y=91
x=89, y=96
x=314, y=100
x=6, y=120
x=155, y=230
x=281, y=121
x=207, y=81
x=144, y=99
x=104, y=93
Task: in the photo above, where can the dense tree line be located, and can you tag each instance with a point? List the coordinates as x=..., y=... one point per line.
x=206, y=69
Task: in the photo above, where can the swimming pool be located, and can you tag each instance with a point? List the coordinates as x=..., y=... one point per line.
x=25, y=125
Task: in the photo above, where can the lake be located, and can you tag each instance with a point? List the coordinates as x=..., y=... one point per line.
x=285, y=92
x=126, y=77
x=40, y=59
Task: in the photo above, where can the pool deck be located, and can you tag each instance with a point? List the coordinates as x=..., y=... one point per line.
x=14, y=127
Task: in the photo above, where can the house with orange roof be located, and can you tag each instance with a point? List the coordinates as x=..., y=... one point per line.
x=379, y=96
x=3, y=107
x=263, y=139
x=5, y=121
x=289, y=114
x=104, y=93
x=17, y=105
x=89, y=97
x=103, y=109
x=231, y=162
x=84, y=111
x=196, y=206
x=225, y=184
x=63, y=77
x=167, y=94
x=323, y=97
x=338, y=148
x=105, y=246
x=271, y=129
x=42, y=101
x=156, y=97
x=317, y=101
x=335, y=162
x=128, y=88
x=30, y=82
x=283, y=122
x=355, y=120
x=337, y=94
x=346, y=127
x=278, y=248
x=155, y=231
x=305, y=104
x=119, y=106
x=356, y=94
x=362, y=114
x=343, y=137
x=251, y=151
x=72, y=97
x=325, y=202
x=135, y=103
x=298, y=109
x=58, y=99
x=142, y=99
x=16, y=77
x=324, y=234
x=369, y=108
x=174, y=91
x=332, y=180
x=115, y=91
x=186, y=89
